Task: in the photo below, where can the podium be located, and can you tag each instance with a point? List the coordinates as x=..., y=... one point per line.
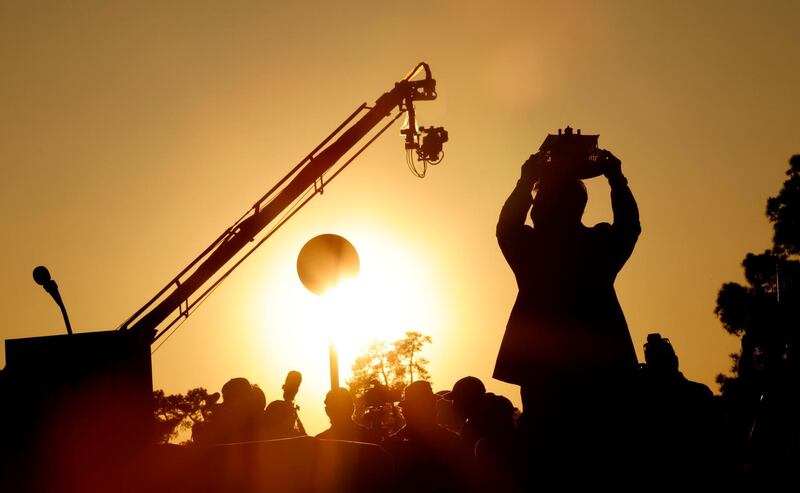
x=74, y=406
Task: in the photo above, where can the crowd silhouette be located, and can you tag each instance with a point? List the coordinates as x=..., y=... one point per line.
x=467, y=439
x=652, y=429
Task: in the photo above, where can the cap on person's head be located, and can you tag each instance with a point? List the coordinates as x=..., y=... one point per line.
x=465, y=389
x=236, y=390
x=417, y=392
x=338, y=397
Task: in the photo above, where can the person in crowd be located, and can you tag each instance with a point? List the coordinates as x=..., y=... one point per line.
x=566, y=325
x=279, y=421
x=468, y=398
x=428, y=457
x=497, y=415
x=237, y=418
x=339, y=407
x=566, y=342
x=500, y=454
x=678, y=423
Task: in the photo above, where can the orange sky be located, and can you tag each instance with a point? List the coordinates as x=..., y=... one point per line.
x=133, y=133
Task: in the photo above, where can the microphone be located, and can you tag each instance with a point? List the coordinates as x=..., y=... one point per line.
x=42, y=277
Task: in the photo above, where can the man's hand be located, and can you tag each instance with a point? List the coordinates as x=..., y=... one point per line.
x=610, y=164
x=534, y=167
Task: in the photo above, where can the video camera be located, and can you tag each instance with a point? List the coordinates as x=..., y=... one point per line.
x=432, y=140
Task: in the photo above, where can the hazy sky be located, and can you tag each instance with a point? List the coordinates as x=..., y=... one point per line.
x=133, y=133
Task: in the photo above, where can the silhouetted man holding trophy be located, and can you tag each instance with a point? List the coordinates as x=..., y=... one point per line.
x=566, y=342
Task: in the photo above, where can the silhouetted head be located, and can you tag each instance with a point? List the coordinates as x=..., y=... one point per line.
x=258, y=398
x=660, y=355
x=237, y=392
x=559, y=203
x=466, y=395
x=419, y=405
x=339, y=405
x=497, y=414
x=279, y=418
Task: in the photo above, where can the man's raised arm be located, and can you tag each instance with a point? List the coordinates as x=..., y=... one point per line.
x=511, y=225
x=626, y=227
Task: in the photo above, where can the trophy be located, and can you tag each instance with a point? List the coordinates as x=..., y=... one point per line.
x=571, y=155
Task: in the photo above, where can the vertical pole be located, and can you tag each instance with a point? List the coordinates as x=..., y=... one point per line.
x=334, y=362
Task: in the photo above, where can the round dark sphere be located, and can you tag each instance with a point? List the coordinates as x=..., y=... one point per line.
x=41, y=275
x=325, y=260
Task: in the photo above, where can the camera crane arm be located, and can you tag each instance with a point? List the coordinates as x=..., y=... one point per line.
x=287, y=196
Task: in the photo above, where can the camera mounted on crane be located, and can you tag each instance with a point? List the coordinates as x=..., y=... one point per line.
x=423, y=144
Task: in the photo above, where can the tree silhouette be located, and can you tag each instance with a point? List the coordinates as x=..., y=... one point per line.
x=408, y=361
x=784, y=212
x=392, y=365
x=379, y=376
x=178, y=412
x=765, y=313
x=375, y=365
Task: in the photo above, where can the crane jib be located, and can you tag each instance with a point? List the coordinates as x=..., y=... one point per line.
x=147, y=320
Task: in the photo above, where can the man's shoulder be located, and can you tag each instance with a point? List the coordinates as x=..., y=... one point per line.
x=696, y=389
x=600, y=228
x=516, y=231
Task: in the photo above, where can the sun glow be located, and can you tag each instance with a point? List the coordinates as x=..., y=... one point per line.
x=392, y=294
x=380, y=304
